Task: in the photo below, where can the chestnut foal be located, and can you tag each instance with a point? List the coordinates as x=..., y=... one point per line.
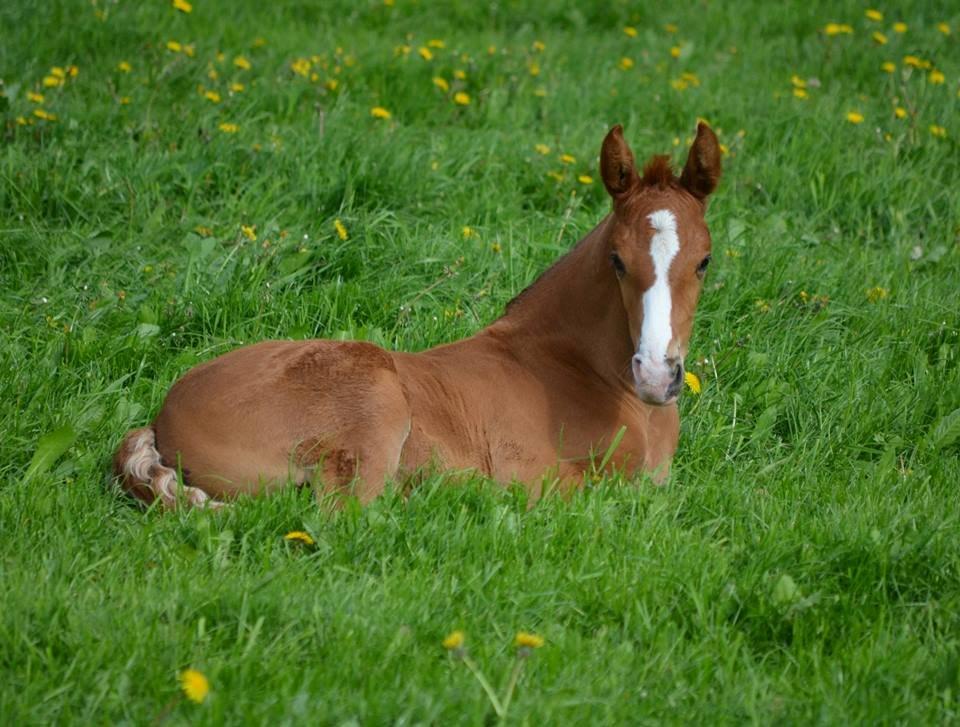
x=594, y=346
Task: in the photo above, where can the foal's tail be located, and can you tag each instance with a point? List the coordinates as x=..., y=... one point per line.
x=137, y=464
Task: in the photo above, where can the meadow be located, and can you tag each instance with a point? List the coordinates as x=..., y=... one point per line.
x=182, y=178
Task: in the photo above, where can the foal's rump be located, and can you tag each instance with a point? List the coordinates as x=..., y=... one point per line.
x=277, y=412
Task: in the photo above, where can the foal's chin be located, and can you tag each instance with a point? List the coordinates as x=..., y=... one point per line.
x=655, y=398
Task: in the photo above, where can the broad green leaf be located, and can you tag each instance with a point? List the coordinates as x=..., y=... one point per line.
x=945, y=432
x=51, y=446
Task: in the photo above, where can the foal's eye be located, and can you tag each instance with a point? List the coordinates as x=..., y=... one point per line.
x=702, y=267
x=618, y=264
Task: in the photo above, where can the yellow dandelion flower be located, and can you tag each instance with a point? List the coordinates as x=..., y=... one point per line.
x=899, y=27
x=35, y=97
x=436, y=43
x=888, y=67
x=797, y=82
x=542, y=149
x=227, y=128
x=301, y=66
x=461, y=99
x=936, y=77
x=189, y=50
x=23, y=121
x=534, y=69
x=453, y=640
x=332, y=84
x=524, y=640
x=195, y=685
x=124, y=100
x=73, y=71
x=237, y=87
x=874, y=15
x=916, y=62
x=45, y=115
x=441, y=83
x=299, y=536
x=460, y=75
x=837, y=29
x=679, y=84
x=495, y=248
x=468, y=231
x=201, y=230
x=183, y=6
x=877, y=293
x=378, y=112
x=568, y=159
x=242, y=63
x=724, y=149
x=58, y=72
x=425, y=53
x=212, y=96
x=900, y=112
x=174, y=46
x=879, y=38
x=124, y=67
x=539, y=46
x=692, y=381
x=935, y=129
x=52, y=81
x=690, y=78
x=671, y=28
x=388, y=3
x=675, y=51
x=944, y=28
x=585, y=179
x=854, y=117
x=800, y=92
x=249, y=232
x=213, y=74
x=340, y=229
x=625, y=63
x=631, y=31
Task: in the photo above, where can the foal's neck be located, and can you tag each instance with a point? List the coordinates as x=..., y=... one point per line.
x=573, y=313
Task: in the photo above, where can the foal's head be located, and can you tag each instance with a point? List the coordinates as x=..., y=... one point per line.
x=659, y=249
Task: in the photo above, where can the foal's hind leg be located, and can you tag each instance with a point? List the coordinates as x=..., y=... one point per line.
x=367, y=453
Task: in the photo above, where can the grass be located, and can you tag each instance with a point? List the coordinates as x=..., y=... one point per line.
x=803, y=563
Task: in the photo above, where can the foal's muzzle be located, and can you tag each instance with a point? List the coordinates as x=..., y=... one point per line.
x=658, y=383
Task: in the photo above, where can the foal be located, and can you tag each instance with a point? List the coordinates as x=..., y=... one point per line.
x=594, y=346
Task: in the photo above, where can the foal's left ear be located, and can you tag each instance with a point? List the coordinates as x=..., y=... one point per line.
x=617, y=167
x=702, y=170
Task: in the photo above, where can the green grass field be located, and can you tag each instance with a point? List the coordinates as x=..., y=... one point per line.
x=170, y=184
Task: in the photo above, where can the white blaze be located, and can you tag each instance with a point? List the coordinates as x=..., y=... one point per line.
x=656, y=330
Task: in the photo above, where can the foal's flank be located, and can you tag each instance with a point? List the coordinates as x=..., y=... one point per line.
x=593, y=350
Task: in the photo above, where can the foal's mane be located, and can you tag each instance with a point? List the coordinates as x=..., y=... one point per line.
x=657, y=172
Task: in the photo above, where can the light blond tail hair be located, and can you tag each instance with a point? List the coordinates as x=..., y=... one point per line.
x=138, y=465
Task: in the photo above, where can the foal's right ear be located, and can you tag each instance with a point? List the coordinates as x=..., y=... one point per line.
x=617, y=167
